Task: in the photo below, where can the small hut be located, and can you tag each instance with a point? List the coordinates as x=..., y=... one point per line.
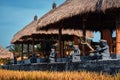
x=95, y=15
x=5, y=53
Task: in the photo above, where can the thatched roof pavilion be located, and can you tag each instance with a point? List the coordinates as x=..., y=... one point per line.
x=5, y=53
x=29, y=34
x=96, y=15
x=73, y=9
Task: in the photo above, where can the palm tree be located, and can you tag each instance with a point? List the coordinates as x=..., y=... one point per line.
x=15, y=49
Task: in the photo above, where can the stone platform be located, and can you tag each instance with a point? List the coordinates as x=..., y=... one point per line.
x=110, y=66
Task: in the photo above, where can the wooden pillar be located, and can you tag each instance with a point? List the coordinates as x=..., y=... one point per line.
x=60, y=45
x=28, y=50
x=22, y=53
x=32, y=45
x=76, y=40
x=60, y=39
x=44, y=52
x=62, y=49
x=107, y=35
x=118, y=35
x=84, y=35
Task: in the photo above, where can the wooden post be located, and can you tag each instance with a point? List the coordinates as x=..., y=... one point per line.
x=107, y=35
x=32, y=45
x=28, y=50
x=118, y=35
x=62, y=49
x=84, y=35
x=22, y=53
x=60, y=45
x=44, y=52
x=76, y=40
x=60, y=39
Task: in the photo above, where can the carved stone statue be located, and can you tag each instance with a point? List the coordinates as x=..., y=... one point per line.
x=96, y=53
x=102, y=51
x=76, y=54
x=52, y=56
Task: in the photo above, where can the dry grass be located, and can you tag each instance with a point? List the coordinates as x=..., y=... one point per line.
x=46, y=75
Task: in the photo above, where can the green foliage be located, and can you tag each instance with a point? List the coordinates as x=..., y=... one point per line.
x=5, y=60
x=38, y=46
x=14, y=48
x=17, y=48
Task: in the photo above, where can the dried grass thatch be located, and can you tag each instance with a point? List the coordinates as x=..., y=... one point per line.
x=31, y=30
x=76, y=7
x=5, y=53
x=28, y=31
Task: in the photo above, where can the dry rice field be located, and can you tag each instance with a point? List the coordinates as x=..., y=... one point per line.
x=46, y=75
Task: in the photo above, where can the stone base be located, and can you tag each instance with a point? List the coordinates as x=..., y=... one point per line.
x=76, y=59
x=52, y=60
x=117, y=56
x=110, y=66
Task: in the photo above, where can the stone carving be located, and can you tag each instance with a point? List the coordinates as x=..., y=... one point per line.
x=75, y=56
x=52, y=56
x=102, y=51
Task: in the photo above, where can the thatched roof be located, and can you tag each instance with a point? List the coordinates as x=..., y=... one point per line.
x=5, y=53
x=31, y=30
x=26, y=34
x=72, y=8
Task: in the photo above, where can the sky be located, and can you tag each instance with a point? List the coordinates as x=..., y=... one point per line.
x=16, y=14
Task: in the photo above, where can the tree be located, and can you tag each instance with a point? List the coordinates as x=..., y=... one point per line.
x=15, y=49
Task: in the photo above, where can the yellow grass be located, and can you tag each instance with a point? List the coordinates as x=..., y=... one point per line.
x=46, y=75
